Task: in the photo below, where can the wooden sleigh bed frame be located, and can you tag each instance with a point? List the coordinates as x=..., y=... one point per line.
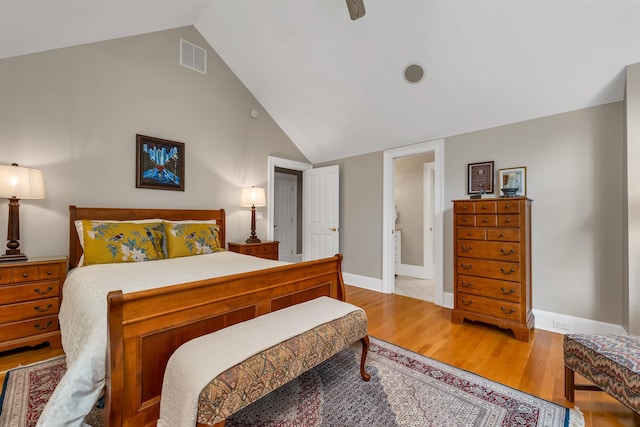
x=146, y=327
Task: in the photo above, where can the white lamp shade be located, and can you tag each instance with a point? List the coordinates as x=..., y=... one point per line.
x=253, y=196
x=21, y=183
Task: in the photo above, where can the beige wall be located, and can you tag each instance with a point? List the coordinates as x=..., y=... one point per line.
x=75, y=112
x=631, y=295
x=574, y=176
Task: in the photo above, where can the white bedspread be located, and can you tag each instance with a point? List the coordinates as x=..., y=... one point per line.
x=83, y=321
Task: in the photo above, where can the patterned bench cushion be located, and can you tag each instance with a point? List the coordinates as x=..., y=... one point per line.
x=611, y=362
x=258, y=375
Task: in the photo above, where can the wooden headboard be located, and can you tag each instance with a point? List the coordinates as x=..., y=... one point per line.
x=127, y=214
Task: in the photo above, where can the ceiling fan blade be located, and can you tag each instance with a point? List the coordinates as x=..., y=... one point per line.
x=356, y=9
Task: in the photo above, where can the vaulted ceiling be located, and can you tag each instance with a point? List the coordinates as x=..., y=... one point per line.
x=337, y=86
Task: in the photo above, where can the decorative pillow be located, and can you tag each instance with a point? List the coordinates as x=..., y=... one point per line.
x=80, y=230
x=110, y=242
x=191, y=238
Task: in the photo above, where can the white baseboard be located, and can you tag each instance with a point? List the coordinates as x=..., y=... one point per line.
x=363, y=282
x=448, y=300
x=565, y=324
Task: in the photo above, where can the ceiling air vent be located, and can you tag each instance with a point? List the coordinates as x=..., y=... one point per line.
x=192, y=56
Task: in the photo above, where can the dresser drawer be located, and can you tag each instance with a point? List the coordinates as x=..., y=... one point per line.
x=5, y=276
x=509, y=220
x=486, y=220
x=28, y=328
x=48, y=271
x=500, y=270
x=499, y=289
x=504, y=234
x=508, y=206
x=28, y=292
x=25, y=274
x=28, y=310
x=491, y=307
x=503, y=251
x=465, y=207
x=468, y=220
x=476, y=233
x=485, y=207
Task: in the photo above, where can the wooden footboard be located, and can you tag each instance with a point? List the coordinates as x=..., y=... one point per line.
x=146, y=327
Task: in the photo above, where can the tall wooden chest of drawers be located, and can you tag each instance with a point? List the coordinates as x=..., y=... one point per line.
x=29, y=302
x=493, y=263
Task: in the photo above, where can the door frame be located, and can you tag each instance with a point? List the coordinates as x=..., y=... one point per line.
x=275, y=162
x=388, y=220
x=428, y=171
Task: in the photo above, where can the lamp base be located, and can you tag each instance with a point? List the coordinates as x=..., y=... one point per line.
x=13, y=258
x=253, y=239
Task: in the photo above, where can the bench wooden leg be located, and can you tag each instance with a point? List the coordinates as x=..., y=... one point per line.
x=569, y=384
x=365, y=350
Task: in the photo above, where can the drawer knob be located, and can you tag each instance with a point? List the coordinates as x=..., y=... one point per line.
x=464, y=219
x=505, y=252
x=485, y=207
x=507, y=206
x=49, y=272
x=469, y=234
x=501, y=234
x=464, y=208
x=508, y=220
x=507, y=292
x=505, y=271
x=42, y=310
x=466, y=266
x=505, y=311
x=25, y=275
x=41, y=327
x=485, y=220
x=466, y=302
x=41, y=292
x=466, y=284
x=466, y=248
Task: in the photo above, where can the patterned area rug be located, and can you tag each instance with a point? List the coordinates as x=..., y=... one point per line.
x=406, y=389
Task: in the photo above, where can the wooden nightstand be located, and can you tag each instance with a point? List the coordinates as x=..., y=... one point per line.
x=267, y=250
x=29, y=302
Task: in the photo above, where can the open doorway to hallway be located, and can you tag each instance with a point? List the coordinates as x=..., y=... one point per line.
x=414, y=266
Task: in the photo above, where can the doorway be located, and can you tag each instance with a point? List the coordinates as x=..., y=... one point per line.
x=388, y=220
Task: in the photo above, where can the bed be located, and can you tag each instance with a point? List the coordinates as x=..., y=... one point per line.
x=144, y=327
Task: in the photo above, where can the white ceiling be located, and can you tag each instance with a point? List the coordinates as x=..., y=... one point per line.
x=336, y=86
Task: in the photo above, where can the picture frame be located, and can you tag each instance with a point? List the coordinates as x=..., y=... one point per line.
x=511, y=178
x=480, y=178
x=159, y=163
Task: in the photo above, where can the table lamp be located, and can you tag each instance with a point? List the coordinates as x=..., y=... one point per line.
x=252, y=197
x=17, y=183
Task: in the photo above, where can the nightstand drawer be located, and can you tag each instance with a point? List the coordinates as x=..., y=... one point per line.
x=30, y=292
x=25, y=274
x=48, y=271
x=267, y=250
x=28, y=328
x=29, y=310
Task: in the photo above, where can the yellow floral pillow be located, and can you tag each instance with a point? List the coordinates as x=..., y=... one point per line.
x=184, y=239
x=109, y=242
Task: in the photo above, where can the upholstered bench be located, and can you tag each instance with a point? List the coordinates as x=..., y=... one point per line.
x=610, y=362
x=212, y=377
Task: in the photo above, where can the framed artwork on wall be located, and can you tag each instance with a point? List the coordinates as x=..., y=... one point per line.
x=159, y=163
x=512, y=182
x=480, y=178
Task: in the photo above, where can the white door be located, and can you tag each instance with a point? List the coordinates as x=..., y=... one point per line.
x=320, y=212
x=286, y=224
x=429, y=178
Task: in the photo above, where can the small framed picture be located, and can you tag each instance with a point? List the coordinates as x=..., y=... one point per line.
x=159, y=163
x=480, y=178
x=512, y=182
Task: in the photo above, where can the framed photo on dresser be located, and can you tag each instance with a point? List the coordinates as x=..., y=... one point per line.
x=513, y=181
x=480, y=178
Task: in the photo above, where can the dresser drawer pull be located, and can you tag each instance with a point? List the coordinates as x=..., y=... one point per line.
x=507, y=292
x=466, y=302
x=466, y=248
x=42, y=310
x=507, y=206
x=464, y=208
x=41, y=292
x=49, y=272
x=25, y=275
x=42, y=328
x=464, y=219
x=485, y=207
x=501, y=234
x=485, y=220
x=469, y=234
x=513, y=270
x=504, y=310
x=504, y=252
x=508, y=220
x=466, y=266
x=466, y=284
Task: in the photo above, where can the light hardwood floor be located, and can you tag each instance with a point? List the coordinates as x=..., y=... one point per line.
x=535, y=367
